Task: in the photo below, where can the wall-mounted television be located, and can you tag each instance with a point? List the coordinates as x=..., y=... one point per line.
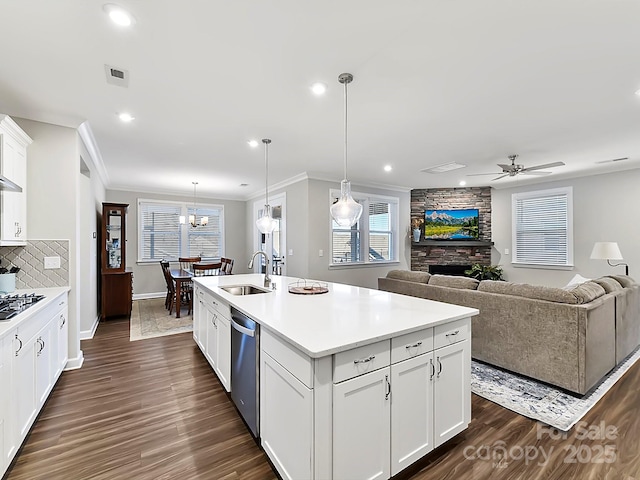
x=458, y=224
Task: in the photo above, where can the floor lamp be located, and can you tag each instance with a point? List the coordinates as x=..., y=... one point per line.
x=608, y=251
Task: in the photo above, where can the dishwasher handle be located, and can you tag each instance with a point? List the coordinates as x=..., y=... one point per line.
x=244, y=330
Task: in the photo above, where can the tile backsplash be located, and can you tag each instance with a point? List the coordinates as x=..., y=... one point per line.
x=30, y=259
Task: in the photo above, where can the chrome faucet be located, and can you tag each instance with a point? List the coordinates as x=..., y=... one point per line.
x=267, y=278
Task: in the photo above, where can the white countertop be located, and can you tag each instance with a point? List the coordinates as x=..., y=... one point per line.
x=49, y=293
x=344, y=318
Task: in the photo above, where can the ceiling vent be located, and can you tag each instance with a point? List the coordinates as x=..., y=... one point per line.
x=117, y=76
x=445, y=167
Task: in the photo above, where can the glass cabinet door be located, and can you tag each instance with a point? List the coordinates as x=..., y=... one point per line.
x=114, y=218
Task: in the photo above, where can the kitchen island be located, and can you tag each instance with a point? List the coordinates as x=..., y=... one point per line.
x=354, y=383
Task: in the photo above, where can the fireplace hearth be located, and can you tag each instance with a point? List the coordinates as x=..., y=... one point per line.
x=448, y=269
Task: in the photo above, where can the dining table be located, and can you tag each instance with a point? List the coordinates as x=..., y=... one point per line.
x=180, y=276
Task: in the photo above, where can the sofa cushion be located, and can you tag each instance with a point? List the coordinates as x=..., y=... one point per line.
x=624, y=280
x=420, y=277
x=538, y=292
x=587, y=292
x=453, y=281
x=575, y=281
x=609, y=284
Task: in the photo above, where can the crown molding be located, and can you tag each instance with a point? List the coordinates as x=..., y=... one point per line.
x=89, y=141
x=13, y=129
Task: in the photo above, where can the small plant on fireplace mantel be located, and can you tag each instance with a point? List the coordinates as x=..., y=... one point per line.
x=485, y=272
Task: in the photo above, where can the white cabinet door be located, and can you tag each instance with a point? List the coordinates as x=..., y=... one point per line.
x=362, y=426
x=211, y=346
x=223, y=351
x=286, y=420
x=62, y=326
x=13, y=204
x=45, y=363
x=411, y=411
x=24, y=385
x=5, y=396
x=452, y=396
x=199, y=318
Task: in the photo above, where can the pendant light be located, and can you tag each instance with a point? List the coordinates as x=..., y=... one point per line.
x=192, y=217
x=346, y=211
x=266, y=223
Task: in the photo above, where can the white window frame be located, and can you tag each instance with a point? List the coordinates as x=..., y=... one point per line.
x=365, y=199
x=184, y=232
x=516, y=198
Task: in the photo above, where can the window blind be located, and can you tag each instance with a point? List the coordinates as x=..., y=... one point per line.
x=543, y=228
x=380, y=234
x=160, y=231
x=205, y=240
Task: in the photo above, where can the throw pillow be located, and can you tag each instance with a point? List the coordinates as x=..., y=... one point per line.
x=624, y=280
x=409, y=276
x=587, y=292
x=609, y=284
x=453, y=281
x=575, y=281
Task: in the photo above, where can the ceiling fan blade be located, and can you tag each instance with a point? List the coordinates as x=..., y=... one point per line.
x=536, y=172
x=501, y=176
x=478, y=174
x=540, y=167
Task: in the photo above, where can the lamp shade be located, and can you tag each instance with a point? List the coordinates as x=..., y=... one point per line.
x=606, y=251
x=346, y=211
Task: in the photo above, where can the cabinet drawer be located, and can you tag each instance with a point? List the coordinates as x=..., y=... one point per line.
x=361, y=360
x=221, y=307
x=452, y=332
x=411, y=345
x=293, y=360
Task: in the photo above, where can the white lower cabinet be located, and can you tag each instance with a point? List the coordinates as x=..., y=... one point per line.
x=411, y=411
x=369, y=412
x=212, y=333
x=362, y=426
x=286, y=425
x=34, y=354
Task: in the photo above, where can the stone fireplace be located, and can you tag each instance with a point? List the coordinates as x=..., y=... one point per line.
x=459, y=254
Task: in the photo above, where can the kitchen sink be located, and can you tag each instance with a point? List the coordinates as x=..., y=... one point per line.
x=244, y=290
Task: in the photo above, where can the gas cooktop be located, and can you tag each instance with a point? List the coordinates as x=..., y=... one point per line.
x=12, y=305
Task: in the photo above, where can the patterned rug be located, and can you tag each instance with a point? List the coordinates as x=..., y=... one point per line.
x=149, y=319
x=539, y=401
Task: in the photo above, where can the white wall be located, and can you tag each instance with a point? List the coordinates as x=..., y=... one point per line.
x=52, y=204
x=147, y=277
x=604, y=209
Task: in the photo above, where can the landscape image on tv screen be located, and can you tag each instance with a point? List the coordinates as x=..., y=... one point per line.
x=451, y=224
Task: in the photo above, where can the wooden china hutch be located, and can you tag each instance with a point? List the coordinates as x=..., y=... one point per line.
x=117, y=280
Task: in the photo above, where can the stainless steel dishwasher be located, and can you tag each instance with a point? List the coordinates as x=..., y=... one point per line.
x=245, y=368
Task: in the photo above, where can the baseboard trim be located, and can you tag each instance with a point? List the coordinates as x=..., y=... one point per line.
x=88, y=334
x=145, y=296
x=75, y=363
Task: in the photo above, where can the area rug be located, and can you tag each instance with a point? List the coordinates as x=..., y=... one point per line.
x=540, y=401
x=149, y=319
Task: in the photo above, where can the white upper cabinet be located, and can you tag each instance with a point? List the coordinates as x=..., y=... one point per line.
x=13, y=167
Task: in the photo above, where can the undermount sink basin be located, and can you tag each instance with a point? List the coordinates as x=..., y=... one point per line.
x=244, y=290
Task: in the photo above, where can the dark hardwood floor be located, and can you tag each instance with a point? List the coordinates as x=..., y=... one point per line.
x=154, y=409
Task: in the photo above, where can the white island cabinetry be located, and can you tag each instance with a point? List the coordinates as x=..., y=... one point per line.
x=355, y=383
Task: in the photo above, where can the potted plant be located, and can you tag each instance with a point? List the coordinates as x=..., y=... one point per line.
x=485, y=272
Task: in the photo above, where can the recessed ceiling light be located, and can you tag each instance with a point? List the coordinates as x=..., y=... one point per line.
x=638, y=92
x=319, y=88
x=119, y=15
x=126, y=117
x=462, y=183
x=387, y=168
x=253, y=143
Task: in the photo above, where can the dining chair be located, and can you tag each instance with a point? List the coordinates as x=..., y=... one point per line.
x=206, y=269
x=167, y=278
x=227, y=266
x=187, y=262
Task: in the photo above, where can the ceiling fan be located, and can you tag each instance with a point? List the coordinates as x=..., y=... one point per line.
x=516, y=169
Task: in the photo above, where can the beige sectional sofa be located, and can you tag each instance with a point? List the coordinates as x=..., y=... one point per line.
x=568, y=338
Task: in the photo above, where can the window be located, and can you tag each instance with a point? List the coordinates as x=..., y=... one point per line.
x=373, y=239
x=543, y=228
x=161, y=236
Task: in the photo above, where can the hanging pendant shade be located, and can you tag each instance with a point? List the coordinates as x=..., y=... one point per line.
x=266, y=223
x=346, y=211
